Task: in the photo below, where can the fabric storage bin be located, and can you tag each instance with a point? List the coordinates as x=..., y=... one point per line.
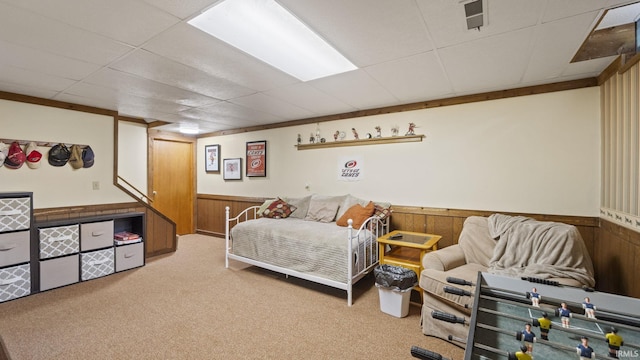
x=14, y=248
x=15, y=214
x=58, y=241
x=96, y=264
x=129, y=256
x=59, y=272
x=15, y=282
x=96, y=235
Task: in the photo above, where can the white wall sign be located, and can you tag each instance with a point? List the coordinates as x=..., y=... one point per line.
x=350, y=168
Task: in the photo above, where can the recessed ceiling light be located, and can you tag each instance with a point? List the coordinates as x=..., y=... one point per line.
x=267, y=31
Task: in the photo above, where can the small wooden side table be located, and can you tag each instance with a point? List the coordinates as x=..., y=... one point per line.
x=407, y=249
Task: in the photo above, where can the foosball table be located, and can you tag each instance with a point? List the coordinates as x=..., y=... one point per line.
x=533, y=318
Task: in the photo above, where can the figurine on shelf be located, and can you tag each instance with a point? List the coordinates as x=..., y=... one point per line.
x=411, y=131
x=335, y=135
x=355, y=133
x=299, y=139
x=367, y=136
x=589, y=308
x=394, y=130
x=378, y=131
x=318, y=135
x=312, y=139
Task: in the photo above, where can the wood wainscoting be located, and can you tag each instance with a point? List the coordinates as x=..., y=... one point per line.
x=160, y=237
x=615, y=250
x=618, y=259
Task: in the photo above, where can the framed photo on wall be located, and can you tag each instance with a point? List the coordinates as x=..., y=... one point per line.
x=256, y=159
x=212, y=158
x=232, y=169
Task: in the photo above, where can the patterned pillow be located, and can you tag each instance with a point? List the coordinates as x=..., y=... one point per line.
x=279, y=209
x=382, y=212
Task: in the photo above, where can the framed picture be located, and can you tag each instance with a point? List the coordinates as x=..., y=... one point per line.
x=256, y=158
x=232, y=169
x=212, y=158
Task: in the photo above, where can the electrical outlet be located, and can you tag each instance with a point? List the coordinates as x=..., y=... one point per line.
x=96, y=185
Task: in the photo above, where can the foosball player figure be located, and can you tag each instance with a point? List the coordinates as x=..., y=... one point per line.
x=520, y=355
x=545, y=325
x=589, y=308
x=535, y=297
x=564, y=314
x=615, y=342
x=584, y=350
x=529, y=337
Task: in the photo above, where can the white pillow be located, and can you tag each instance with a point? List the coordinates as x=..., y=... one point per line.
x=323, y=208
x=302, y=205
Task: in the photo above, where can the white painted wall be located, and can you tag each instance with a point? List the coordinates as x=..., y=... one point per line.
x=60, y=186
x=533, y=154
x=132, y=155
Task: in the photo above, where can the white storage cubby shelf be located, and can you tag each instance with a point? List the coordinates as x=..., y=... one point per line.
x=16, y=219
x=69, y=251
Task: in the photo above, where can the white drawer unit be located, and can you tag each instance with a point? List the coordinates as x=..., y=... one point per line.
x=58, y=241
x=96, y=235
x=96, y=264
x=129, y=256
x=15, y=214
x=15, y=282
x=59, y=272
x=15, y=248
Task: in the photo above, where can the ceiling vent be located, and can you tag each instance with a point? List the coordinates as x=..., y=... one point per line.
x=474, y=12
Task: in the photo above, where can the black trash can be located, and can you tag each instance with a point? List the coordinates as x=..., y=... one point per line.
x=394, y=285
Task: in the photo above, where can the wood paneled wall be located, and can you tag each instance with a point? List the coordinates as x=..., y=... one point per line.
x=160, y=237
x=613, y=249
x=618, y=259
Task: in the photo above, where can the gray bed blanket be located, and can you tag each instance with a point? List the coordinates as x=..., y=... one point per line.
x=527, y=247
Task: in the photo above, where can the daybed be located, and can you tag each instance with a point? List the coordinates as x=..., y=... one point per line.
x=504, y=245
x=330, y=240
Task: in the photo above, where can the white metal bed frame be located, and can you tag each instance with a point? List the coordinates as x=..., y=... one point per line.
x=378, y=228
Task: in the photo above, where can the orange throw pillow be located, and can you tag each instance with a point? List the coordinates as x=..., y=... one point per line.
x=358, y=213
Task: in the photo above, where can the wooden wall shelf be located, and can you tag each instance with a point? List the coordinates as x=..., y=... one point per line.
x=372, y=141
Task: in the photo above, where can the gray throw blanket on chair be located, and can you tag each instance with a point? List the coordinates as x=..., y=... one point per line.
x=527, y=247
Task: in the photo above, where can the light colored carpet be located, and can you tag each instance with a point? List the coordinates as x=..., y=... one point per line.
x=186, y=305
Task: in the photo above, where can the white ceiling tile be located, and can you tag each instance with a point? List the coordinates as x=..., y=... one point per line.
x=18, y=76
x=27, y=29
x=182, y=9
x=117, y=99
x=447, y=24
x=561, y=9
x=129, y=84
x=99, y=17
x=192, y=47
x=310, y=98
x=357, y=89
x=47, y=63
x=551, y=55
x=27, y=90
x=366, y=32
x=489, y=63
x=271, y=105
x=593, y=67
x=169, y=72
x=231, y=114
x=414, y=78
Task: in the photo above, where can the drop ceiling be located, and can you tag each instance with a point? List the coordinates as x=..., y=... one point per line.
x=141, y=58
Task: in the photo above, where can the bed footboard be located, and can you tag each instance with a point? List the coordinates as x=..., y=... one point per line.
x=249, y=213
x=363, y=243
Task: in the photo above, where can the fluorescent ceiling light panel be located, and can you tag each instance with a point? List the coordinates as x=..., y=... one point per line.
x=267, y=31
